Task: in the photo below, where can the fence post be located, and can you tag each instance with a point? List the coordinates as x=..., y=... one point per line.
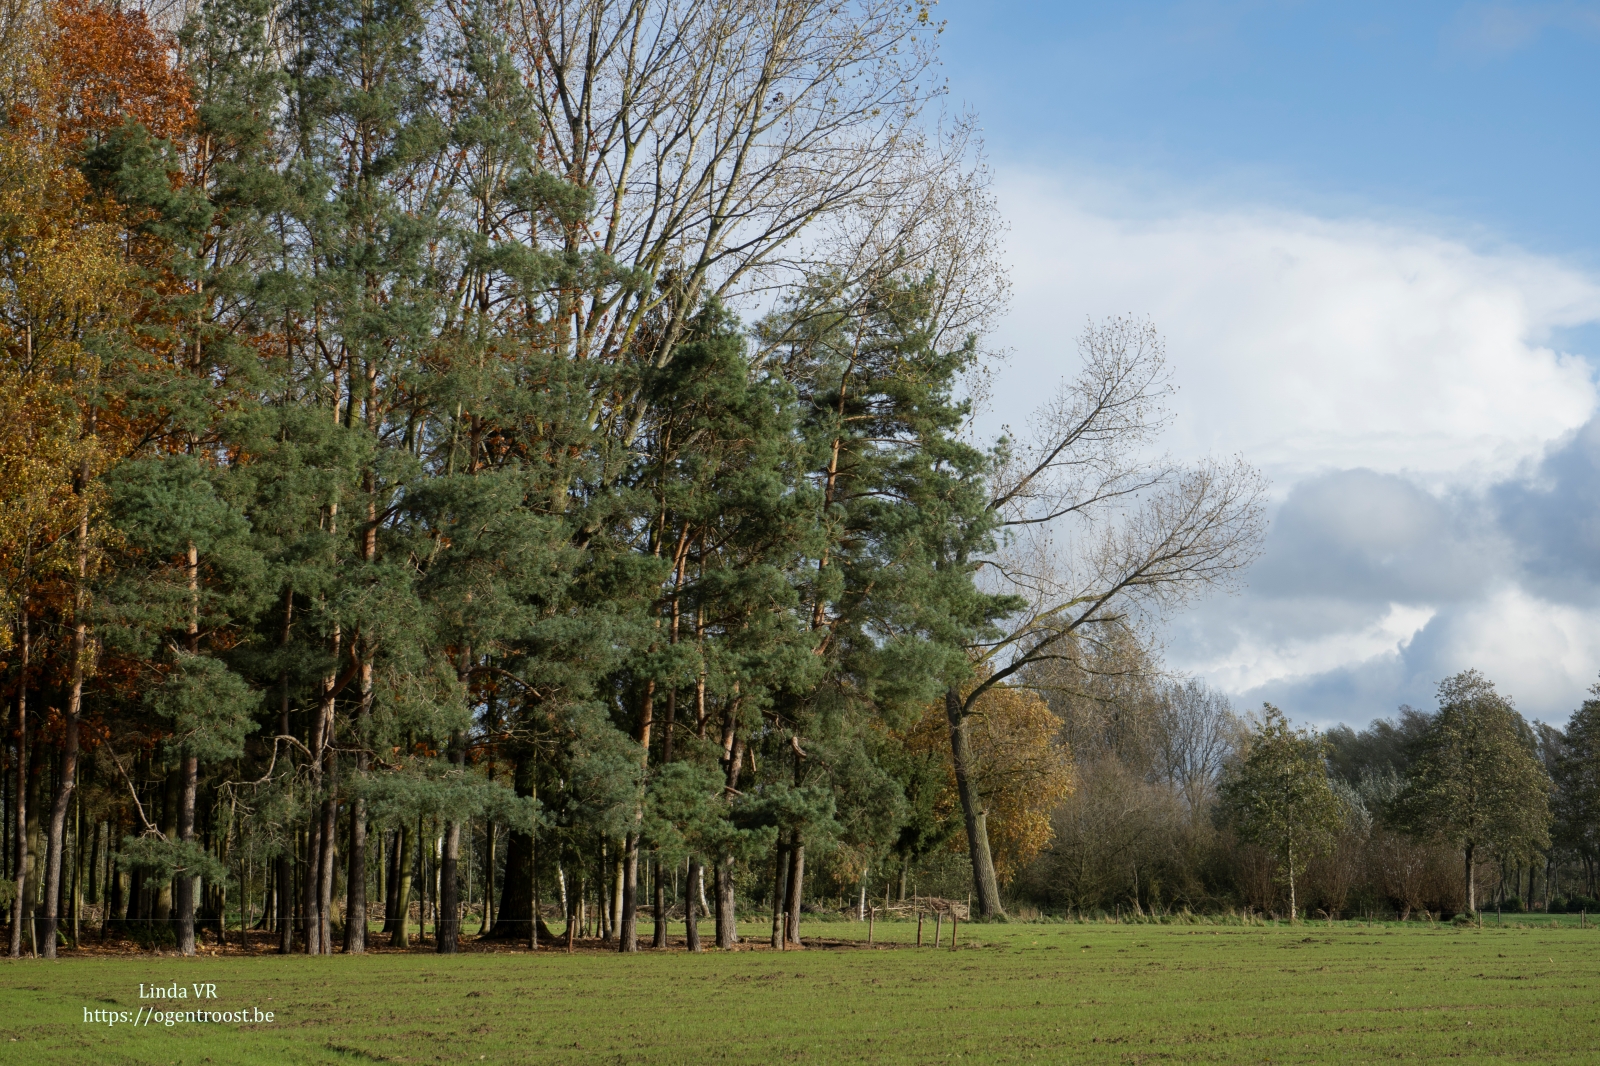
x=938, y=926
x=955, y=927
x=919, y=928
x=872, y=918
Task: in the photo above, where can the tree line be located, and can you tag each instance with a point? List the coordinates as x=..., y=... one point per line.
x=527, y=449
x=1184, y=804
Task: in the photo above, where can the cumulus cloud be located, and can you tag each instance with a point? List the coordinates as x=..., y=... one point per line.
x=1310, y=344
x=1435, y=457
x=1554, y=515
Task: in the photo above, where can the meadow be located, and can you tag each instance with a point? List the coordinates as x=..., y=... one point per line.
x=1351, y=992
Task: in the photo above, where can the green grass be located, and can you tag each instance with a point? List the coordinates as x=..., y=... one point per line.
x=1205, y=993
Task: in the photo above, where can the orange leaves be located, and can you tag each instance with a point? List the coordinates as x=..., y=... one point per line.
x=106, y=65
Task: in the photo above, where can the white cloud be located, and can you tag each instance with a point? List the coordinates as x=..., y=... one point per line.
x=1352, y=358
x=1260, y=659
x=1542, y=653
x=1308, y=344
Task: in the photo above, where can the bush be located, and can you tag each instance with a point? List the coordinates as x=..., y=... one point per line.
x=1586, y=904
x=1513, y=904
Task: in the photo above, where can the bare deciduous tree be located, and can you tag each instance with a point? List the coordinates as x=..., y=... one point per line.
x=1101, y=535
x=711, y=135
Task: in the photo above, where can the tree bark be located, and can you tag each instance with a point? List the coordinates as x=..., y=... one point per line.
x=1292, y=901
x=797, y=883
x=402, y=890
x=96, y=885
x=67, y=778
x=355, y=889
x=515, y=913
x=355, y=892
x=447, y=924
x=628, y=939
x=780, y=881
x=184, y=883
x=727, y=928
x=113, y=891
x=311, y=926
x=330, y=851
x=1472, y=880
x=19, y=906
x=391, y=865
x=985, y=885
x=488, y=878
x=659, y=939
x=283, y=890
x=691, y=927
x=612, y=905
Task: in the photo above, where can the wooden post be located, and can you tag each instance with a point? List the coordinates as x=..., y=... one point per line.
x=955, y=925
x=919, y=928
x=872, y=918
x=938, y=926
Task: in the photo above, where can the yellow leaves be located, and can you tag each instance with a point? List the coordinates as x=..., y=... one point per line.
x=61, y=276
x=1024, y=772
x=41, y=449
x=60, y=268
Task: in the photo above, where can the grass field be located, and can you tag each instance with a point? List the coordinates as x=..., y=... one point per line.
x=1020, y=993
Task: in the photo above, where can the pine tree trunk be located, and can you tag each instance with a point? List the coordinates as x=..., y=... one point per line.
x=402, y=890
x=612, y=905
x=727, y=927
x=691, y=927
x=283, y=898
x=391, y=865
x=185, y=883
x=355, y=902
x=447, y=924
x=113, y=892
x=780, y=881
x=515, y=913
x=355, y=889
x=488, y=878
x=95, y=884
x=172, y=789
x=985, y=885
x=628, y=940
x=797, y=884
x=310, y=925
x=659, y=939
x=608, y=911
x=283, y=887
x=727, y=930
x=382, y=869
x=330, y=851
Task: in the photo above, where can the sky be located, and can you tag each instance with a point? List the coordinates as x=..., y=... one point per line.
x=1368, y=234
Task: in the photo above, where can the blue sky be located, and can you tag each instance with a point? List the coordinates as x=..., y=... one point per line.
x=1369, y=234
x=1479, y=115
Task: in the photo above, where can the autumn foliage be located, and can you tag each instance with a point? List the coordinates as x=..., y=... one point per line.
x=1024, y=773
